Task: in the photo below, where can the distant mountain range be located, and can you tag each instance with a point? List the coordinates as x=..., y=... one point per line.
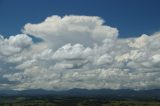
x=100, y=93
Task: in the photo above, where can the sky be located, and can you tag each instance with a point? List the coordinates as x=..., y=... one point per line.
x=87, y=44
x=131, y=17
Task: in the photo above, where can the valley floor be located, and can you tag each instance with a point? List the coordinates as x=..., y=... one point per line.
x=73, y=101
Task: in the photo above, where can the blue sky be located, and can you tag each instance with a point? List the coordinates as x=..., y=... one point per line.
x=131, y=17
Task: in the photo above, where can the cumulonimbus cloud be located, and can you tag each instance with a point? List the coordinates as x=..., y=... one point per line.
x=71, y=29
x=78, y=52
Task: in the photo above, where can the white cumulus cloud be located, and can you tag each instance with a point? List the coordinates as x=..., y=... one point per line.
x=78, y=52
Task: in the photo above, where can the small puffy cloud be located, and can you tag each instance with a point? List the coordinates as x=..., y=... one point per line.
x=156, y=58
x=104, y=59
x=14, y=44
x=140, y=42
x=72, y=52
x=78, y=52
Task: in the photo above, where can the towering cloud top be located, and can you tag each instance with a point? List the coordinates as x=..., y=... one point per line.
x=78, y=52
x=71, y=29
